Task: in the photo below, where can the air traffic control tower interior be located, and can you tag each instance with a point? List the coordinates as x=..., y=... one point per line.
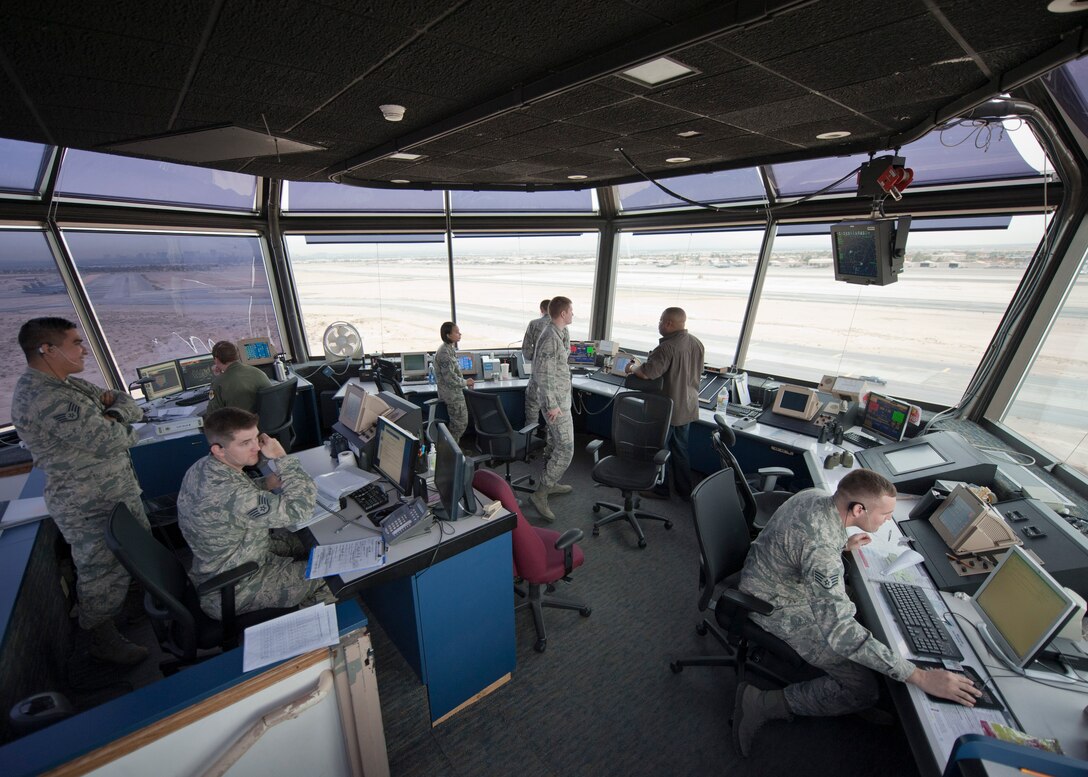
x=888, y=192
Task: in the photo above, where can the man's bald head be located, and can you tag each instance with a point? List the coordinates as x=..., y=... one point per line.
x=672, y=320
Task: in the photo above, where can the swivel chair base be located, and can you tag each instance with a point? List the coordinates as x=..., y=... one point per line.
x=742, y=659
x=538, y=599
x=631, y=512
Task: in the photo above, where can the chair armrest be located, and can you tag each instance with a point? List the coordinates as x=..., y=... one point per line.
x=565, y=543
x=529, y=428
x=229, y=578
x=594, y=447
x=224, y=582
x=768, y=477
x=661, y=457
x=747, y=601
x=433, y=401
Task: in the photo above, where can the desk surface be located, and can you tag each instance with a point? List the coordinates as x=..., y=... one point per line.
x=932, y=727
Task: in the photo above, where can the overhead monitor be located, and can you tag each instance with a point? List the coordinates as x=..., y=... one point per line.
x=886, y=417
x=967, y=524
x=351, y=409
x=619, y=364
x=413, y=366
x=467, y=363
x=1022, y=607
x=196, y=371
x=582, y=353
x=165, y=379
x=452, y=478
x=869, y=251
x=796, y=402
x=913, y=465
x=397, y=452
x=255, y=351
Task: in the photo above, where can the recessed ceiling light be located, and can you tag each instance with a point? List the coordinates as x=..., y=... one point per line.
x=675, y=160
x=405, y=156
x=657, y=71
x=833, y=135
x=1067, y=6
x=577, y=177
x=399, y=180
x=688, y=134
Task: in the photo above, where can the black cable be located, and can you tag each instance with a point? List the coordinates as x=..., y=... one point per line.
x=441, y=533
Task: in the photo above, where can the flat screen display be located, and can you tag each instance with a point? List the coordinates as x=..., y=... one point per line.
x=914, y=458
x=584, y=353
x=619, y=364
x=196, y=371
x=467, y=363
x=856, y=252
x=165, y=379
x=794, y=400
x=351, y=410
x=886, y=417
x=255, y=351
x=413, y=365
x=396, y=457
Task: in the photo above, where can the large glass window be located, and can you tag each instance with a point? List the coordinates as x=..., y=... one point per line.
x=22, y=165
x=395, y=289
x=919, y=338
x=1049, y=406
x=708, y=274
x=86, y=175
x=501, y=280
x=724, y=186
x=307, y=197
x=30, y=287
x=162, y=296
x=584, y=201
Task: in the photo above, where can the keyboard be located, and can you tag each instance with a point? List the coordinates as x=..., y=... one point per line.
x=369, y=497
x=743, y=411
x=919, y=623
x=608, y=377
x=195, y=399
x=861, y=440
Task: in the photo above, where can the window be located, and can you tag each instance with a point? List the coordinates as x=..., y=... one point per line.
x=724, y=186
x=584, y=201
x=708, y=274
x=501, y=280
x=161, y=296
x=22, y=165
x=86, y=175
x=31, y=287
x=304, y=197
x=1049, y=406
x=395, y=289
x=920, y=338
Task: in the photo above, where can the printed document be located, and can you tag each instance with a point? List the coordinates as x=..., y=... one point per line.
x=290, y=635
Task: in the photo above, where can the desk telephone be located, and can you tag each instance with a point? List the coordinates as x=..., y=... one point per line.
x=398, y=525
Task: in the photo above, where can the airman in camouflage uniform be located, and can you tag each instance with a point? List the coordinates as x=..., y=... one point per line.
x=528, y=347
x=451, y=383
x=79, y=435
x=225, y=515
x=551, y=382
x=235, y=384
x=796, y=565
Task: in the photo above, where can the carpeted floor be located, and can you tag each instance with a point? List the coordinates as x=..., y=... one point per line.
x=601, y=700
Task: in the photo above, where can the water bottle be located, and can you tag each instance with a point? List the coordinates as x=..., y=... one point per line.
x=430, y=374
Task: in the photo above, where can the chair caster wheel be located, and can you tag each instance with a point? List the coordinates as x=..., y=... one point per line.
x=701, y=629
x=541, y=645
x=675, y=667
x=596, y=508
x=668, y=525
x=596, y=531
x=642, y=543
x=531, y=482
x=585, y=611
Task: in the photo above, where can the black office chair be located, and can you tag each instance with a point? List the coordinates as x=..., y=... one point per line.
x=387, y=376
x=640, y=429
x=172, y=602
x=274, y=405
x=759, y=493
x=722, y=531
x=497, y=439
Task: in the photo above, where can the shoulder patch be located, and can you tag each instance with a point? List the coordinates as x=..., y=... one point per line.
x=825, y=581
x=71, y=413
x=262, y=507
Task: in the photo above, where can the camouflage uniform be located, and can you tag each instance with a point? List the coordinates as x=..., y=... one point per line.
x=528, y=346
x=451, y=385
x=551, y=382
x=84, y=455
x=237, y=386
x=225, y=516
x=796, y=564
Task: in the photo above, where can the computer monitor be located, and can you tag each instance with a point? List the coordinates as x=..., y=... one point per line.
x=255, y=351
x=796, y=402
x=397, y=452
x=619, y=364
x=869, y=251
x=467, y=363
x=886, y=417
x=166, y=379
x=351, y=409
x=1022, y=608
x=582, y=353
x=967, y=524
x=452, y=478
x=196, y=371
x=413, y=366
x=913, y=465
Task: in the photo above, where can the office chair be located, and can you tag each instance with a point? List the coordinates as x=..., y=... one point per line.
x=172, y=602
x=497, y=439
x=274, y=405
x=722, y=531
x=640, y=428
x=542, y=557
x=387, y=376
x=760, y=498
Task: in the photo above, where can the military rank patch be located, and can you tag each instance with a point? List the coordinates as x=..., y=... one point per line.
x=69, y=414
x=262, y=507
x=825, y=581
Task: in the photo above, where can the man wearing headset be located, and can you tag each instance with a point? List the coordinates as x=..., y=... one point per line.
x=79, y=435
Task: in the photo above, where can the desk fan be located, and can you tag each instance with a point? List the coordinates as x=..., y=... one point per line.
x=342, y=341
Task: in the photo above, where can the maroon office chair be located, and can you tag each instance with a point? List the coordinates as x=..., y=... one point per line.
x=542, y=557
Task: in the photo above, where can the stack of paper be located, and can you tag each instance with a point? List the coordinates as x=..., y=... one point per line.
x=290, y=635
x=343, y=557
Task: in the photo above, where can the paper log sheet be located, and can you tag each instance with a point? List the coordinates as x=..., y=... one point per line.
x=343, y=557
x=290, y=635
